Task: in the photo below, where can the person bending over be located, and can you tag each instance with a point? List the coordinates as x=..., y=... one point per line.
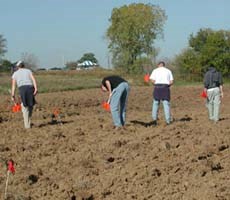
x=118, y=89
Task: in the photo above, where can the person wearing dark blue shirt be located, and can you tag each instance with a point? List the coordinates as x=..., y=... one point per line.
x=213, y=85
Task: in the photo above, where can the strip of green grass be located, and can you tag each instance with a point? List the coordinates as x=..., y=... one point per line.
x=54, y=81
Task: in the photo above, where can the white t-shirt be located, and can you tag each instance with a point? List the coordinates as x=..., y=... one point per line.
x=22, y=77
x=161, y=75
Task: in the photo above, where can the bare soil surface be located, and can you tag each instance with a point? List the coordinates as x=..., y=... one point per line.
x=77, y=155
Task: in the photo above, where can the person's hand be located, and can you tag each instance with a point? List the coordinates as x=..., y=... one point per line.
x=222, y=95
x=13, y=98
x=35, y=91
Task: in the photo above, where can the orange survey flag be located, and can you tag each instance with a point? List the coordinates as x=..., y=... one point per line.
x=106, y=106
x=146, y=78
x=16, y=108
x=56, y=112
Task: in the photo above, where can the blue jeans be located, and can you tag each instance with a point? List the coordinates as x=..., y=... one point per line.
x=118, y=104
x=166, y=105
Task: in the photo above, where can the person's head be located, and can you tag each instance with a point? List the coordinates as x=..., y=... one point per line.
x=20, y=64
x=161, y=64
x=103, y=88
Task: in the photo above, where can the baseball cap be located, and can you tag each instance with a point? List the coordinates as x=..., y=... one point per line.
x=19, y=63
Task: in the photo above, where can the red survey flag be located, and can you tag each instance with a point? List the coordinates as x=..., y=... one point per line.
x=10, y=166
x=204, y=94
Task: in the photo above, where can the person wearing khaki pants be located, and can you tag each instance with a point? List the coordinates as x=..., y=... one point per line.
x=27, y=85
x=213, y=85
x=27, y=114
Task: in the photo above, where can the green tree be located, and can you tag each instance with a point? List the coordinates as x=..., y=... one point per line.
x=5, y=66
x=132, y=33
x=88, y=56
x=3, y=49
x=188, y=61
x=198, y=41
x=205, y=48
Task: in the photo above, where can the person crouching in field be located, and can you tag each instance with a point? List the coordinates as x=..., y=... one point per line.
x=213, y=85
x=162, y=79
x=27, y=90
x=118, y=89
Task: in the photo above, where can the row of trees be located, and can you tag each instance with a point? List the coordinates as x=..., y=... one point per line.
x=207, y=47
x=134, y=29
x=31, y=61
x=5, y=65
x=131, y=35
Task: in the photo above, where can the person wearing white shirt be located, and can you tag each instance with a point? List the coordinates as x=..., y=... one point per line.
x=27, y=85
x=162, y=79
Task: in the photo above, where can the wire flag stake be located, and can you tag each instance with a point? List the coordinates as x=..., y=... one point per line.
x=10, y=169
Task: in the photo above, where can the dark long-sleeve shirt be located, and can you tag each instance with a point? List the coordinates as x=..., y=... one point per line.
x=114, y=81
x=212, y=78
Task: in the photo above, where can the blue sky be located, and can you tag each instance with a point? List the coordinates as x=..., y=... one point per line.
x=57, y=31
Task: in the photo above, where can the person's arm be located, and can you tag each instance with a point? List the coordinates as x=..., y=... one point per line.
x=221, y=91
x=206, y=80
x=171, y=79
x=108, y=86
x=152, y=78
x=153, y=81
x=34, y=84
x=221, y=85
x=13, y=86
